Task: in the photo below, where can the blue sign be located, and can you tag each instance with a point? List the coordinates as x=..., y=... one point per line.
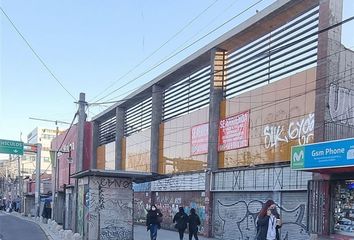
x=332, y=154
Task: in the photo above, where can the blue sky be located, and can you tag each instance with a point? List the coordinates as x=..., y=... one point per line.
x=89, y=45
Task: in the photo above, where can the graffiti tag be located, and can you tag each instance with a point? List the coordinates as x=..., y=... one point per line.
x=301, y=130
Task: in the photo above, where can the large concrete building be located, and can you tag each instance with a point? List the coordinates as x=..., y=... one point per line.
x=222, y=123
x=43, y=136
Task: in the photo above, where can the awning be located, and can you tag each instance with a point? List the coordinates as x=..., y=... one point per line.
x=137, y=177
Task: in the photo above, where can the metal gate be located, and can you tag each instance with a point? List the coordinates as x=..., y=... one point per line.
x=318, y=207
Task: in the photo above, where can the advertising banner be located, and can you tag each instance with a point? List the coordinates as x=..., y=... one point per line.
x=332, y=154
x=199, y=139
x=234, y=132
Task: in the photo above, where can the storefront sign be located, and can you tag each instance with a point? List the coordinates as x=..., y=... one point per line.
x=234, y=132
x=199, y=139
x=332, y=154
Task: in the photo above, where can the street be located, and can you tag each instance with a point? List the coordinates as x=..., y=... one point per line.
x=13, y=228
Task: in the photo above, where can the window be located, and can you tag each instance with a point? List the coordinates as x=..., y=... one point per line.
x=46, y=159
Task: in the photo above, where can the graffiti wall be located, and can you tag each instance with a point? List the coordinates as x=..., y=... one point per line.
x=108, y=209
x=168, y=203
x=339, y=118
x=235, y=214
x=142, y=203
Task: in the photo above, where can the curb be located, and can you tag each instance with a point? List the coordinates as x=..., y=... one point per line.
x=51, y=230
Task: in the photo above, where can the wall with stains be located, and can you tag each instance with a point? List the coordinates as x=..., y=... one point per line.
x=169, y=202
x=105, y=208
x=281, y=116
x=235, y=214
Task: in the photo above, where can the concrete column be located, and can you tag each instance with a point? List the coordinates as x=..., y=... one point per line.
x=93, y=163
x=156, y=118
x=38, y=178
x=106, y=221
x=79, y=154
x=327, y=72
x=81, y=125
x=120, y=119
x=328, y=56
x=218, y=76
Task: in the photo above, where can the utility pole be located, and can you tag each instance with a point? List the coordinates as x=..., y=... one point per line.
x=55, y=168
x=81, y=127
x=38, y=178
x=20, y=192
x=79, y=153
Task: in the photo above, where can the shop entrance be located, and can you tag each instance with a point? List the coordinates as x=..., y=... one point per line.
x=343, y=207
x=318, y=207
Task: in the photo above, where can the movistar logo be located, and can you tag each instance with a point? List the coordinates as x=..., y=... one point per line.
x=298, y=156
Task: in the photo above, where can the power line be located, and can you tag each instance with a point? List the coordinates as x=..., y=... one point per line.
x=35, y=53
x=47, y=120
x=156, y=50
x=173, y=55
x=66, y=134
x=181, y=45
x=285, y=46
x=211, y=73
x=273, y=103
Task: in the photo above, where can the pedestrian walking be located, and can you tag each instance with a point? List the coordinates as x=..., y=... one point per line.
x=181, y=220
x=268, y=222
x=153, y=221
x=193, y=223
x=47, y=210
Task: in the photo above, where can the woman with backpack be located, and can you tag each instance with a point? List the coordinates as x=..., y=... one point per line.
x=193, y=223
x=181, y=220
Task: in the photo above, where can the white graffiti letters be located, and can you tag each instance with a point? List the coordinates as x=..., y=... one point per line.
x=273, y=135
x=301, y=130
x=341, y=104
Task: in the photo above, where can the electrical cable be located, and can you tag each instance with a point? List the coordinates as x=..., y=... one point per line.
x=66, y=134
x=156, y=50
x=173, y=55
x=277, y=49
x=211, y=73
x=267, y=105
x=35, y=53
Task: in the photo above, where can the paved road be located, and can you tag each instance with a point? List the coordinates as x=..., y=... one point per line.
x=13, y=228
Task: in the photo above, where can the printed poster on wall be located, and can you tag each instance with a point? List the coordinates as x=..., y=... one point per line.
x=199, y=139
x=234, y=132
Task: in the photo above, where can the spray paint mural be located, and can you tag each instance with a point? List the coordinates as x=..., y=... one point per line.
x=168, y=203
x=106, y=208
x=237, y=220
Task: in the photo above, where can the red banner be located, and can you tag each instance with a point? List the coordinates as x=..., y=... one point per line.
x=199, y=139
x=234, y=132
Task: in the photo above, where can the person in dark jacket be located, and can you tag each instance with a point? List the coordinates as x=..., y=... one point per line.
x=181, y=220
x=268, y=222
x=153, y=221
x=193, y=223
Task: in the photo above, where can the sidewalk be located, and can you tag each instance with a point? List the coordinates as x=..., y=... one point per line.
x=140, y=233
